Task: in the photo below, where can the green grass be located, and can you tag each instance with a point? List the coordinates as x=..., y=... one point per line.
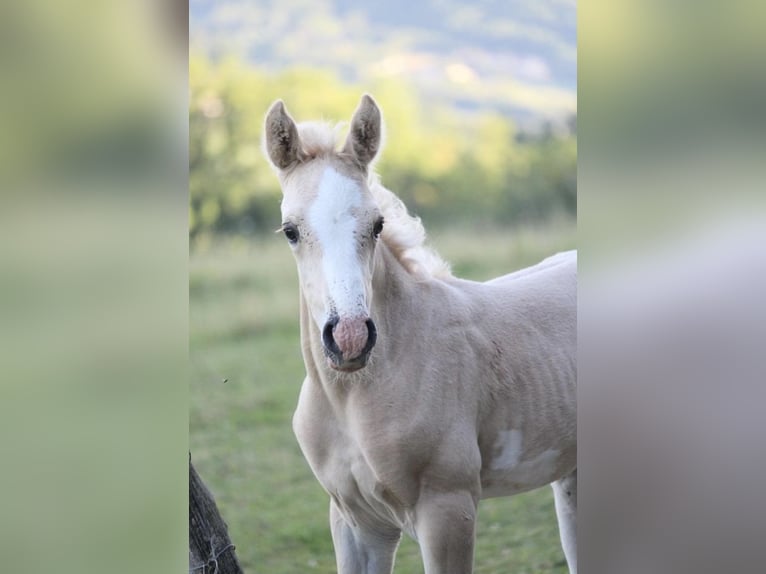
x=244, y=330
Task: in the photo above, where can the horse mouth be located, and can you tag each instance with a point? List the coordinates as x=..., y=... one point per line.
x=337, y=364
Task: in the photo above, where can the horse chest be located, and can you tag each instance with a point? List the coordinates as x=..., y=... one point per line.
x=382, y=492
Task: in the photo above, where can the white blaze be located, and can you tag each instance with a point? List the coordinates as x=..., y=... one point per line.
x=334, y=225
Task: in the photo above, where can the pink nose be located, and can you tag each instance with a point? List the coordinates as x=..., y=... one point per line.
x=348, y=340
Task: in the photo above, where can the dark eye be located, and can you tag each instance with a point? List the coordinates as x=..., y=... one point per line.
x=377, y=228
x=291, y=232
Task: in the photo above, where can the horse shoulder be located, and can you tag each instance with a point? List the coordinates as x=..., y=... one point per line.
x=404, y=444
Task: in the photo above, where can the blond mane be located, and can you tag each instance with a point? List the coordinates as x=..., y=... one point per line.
x=403, y=233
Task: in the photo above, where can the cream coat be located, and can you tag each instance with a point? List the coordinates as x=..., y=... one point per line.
x=469, y=391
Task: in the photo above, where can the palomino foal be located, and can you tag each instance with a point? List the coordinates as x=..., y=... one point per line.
x=423, y=393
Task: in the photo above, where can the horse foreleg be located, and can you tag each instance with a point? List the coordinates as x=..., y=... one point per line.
x=445, y=525
x=362, y=550
x=565, y=497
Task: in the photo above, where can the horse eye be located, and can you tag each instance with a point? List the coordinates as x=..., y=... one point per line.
x=378, y=228
x=291, y=232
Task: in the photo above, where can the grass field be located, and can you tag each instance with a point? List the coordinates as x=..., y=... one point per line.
x=246, y=371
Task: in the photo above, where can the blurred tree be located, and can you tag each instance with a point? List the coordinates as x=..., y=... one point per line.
x=475, y=168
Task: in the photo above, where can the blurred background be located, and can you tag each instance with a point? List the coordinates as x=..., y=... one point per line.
x=96, y=279
x=479, y=102
x=93, y=283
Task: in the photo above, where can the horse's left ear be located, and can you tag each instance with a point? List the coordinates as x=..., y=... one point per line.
x=365, y=135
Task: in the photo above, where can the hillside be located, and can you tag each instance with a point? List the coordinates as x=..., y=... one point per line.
x=514, y=57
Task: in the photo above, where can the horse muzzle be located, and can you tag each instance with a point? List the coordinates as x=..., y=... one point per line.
x=348, y=342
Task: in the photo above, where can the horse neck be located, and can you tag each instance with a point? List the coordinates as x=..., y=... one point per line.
x=392, y=285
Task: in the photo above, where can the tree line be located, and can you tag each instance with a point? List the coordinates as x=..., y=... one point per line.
x=449, y=166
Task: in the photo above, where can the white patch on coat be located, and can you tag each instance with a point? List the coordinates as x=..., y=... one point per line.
x=331, y=219
x=524, y=472
x=509, y=444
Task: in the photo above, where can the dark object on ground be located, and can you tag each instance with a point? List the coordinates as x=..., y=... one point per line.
x=210, y=548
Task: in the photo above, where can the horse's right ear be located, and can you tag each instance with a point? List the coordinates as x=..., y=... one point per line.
x=281, y=142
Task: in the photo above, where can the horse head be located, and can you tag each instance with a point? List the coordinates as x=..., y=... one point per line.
x=332, y=223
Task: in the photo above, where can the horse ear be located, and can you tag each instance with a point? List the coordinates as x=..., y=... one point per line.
x=281, y=141
x=365, y=135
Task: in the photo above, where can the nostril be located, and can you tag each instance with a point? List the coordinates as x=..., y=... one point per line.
x=372, y=336
x=327, y=336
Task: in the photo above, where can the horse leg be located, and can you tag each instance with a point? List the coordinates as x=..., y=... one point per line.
x=362, y=550
x=445, y=525
x=565, y=497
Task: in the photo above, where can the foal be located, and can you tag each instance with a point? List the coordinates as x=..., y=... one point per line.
x=423, y=393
